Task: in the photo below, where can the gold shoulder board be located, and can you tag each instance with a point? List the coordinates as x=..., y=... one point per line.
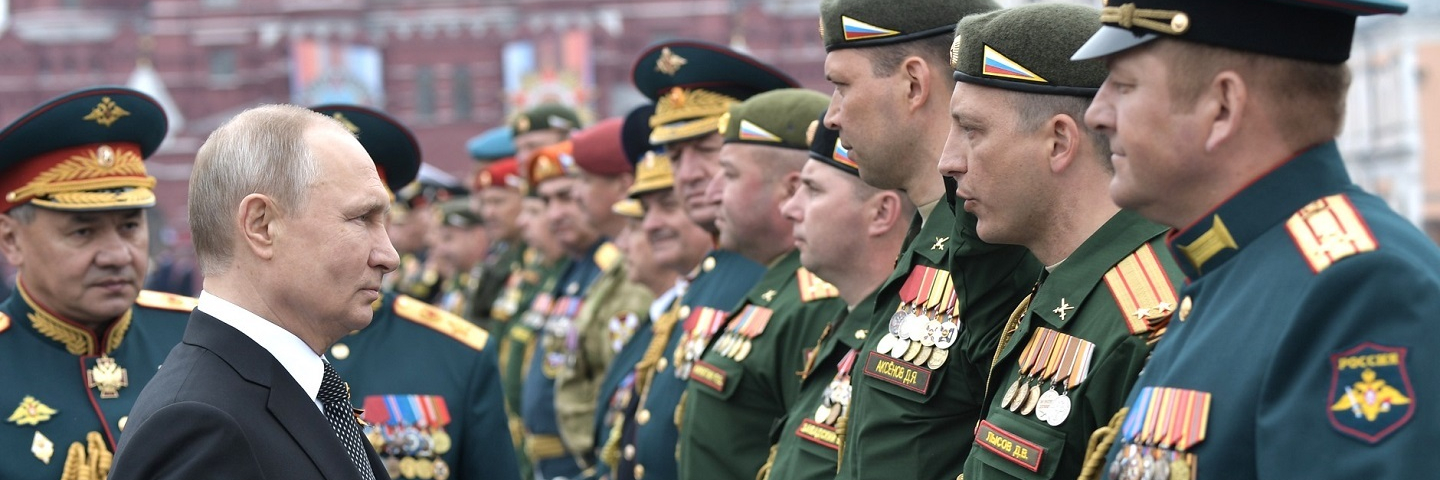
x=165, y=301
x=4, y=322
x=441, y=321
x=1328, y=230
x=813, y=288
x=607, y=256
x=1141, y=288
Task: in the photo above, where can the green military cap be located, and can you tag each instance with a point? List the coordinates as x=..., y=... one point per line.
x=82, y=151
x=825, y=147
x=457, y=213
x=1027, y=49
x=1313, y=30
x=494, y=144
x=390, y=144
x=545, y=116
x=777, y=118
x=693, y=83
x=867, y=23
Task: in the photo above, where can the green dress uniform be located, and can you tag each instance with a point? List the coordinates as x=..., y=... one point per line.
x=915, y=404
x=1081, y=338
x=747, y=376
x=1306, y=305
x=490, y=277
x=630, y=337
x=591, y=347
x=547, y=451
x=651, y=431
x=522, y=306
x=68, y=390
x=430, y=388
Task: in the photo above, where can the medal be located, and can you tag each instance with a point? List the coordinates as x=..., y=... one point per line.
x=1010, y=394
x=949, y=331
x=424, y=469
x=1042, y=407
x=407, y=467
x=938, y=358
x=442, y=469
x=908, y=294
x=887, y=343
x=1059, y=411
x=901, y=346
x=822, y=413
x=107, y=377
x=932, y=334
x=924, y=355
x=912, y=351
x=898, y=319
x=1031, y=399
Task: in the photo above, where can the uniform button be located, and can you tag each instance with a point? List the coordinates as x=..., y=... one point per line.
x=859, y=334
x=660, y=365
x=643, y=417
x=630, y=452
x=340, y=351
x=685, y=312
x=709, y=263
x=123, y=420
x=1185, y=305
x=639, y=472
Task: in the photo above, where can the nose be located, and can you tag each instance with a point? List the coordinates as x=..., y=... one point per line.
x=1100, y=117
x=115, y=251
x=792, y=209
x=384, y=256
x=715, y=189
x=953, y=159
x=832, y=112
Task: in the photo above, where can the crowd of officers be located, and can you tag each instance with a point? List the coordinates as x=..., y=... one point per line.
x=1048, y=241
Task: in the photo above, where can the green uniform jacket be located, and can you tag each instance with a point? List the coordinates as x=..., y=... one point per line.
x=913, y=422
x=1124, y=263
x=504, y=257
x=806, y=447
x=418, y=353
x=524, y=288
x=577, y=385
x=1308, y=303
x=748, y=377
x=651, y=430
x=45, y=364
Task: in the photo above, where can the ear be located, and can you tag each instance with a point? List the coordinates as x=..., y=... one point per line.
x=258, y=218
x=1063, y=143
x=885, y=211
x=789, y=184
x=10, y=240
x=918, y=81
x=1224, y=105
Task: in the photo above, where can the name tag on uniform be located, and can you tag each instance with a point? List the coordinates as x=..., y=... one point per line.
x=708, y=375
x=898, y=372
x=819, y=433
x=1008, y=446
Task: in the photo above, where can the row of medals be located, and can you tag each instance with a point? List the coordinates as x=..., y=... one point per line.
x=410, y=451
x=1136, y=462
x=734, y=343
x=836, y=399
x=692, y=344
x=1052, y=407
x=920, y=337
x=559, y=338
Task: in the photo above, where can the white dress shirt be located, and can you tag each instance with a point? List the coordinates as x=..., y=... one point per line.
x=662, y=303
x=304, y=365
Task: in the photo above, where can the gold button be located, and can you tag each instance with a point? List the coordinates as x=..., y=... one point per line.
x=630, y=452
x=639, y=472
x=1185, y=305
x=123, y=420
x=1180, y=23
x=660, y=365
x=859, y=334
x=685, y=312
x=643, y=417
x=709, y=264
x=340, y=351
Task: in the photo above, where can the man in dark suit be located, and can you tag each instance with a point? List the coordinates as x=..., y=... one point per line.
x=287, y=213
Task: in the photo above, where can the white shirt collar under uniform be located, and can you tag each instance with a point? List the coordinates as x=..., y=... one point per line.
x=304, y=365
x=662, y=303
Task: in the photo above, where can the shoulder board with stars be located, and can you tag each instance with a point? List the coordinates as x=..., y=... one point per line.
x=441, y=321
x=1328, y=230
x=607, y=256
x=165, y=301
x=813, y=288
x=1141, y=288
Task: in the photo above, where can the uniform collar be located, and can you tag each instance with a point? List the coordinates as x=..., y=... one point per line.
x=1220, y=234
x=77, y=339
x=1085, y=267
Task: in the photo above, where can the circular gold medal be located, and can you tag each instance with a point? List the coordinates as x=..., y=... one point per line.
x=442, y=469
x=924, y=355
x=392, y=467
x=1009, y=393
x=938, y=358
x=1031, y=399
x=834, y=414
x=912, y=351
x=407, y=467
x=1179, y=469
x=744, y=351
x=442, y=441
x=424, y=469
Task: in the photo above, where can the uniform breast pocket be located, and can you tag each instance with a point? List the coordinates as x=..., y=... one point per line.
x=1017, y=446
x=717, y=379
x=902, y=379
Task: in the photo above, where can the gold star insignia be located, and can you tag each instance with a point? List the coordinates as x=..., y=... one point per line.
x=1063, y=309
x=669, y=62
x=769, y=295
x=106, y=113
x=939, y=243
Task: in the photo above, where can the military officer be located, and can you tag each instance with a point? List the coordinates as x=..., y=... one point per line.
x=79, y=339
x=1084, y=334
x=692, y=84
x=602, y=153
x=541, y=126
x=677, y=246
x=1307, y=300
x=919, y=381
x=551, y=173
x=743, y=361
x=427, y=382
x=495, y=194
x=410, y=223
x=830, y=207
x=459, y=249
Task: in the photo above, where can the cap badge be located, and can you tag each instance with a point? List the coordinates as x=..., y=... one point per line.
x=669, y=62
x=810, y=131
x=106, y=113
x=751, y=131
x=955, y=53
x=858, y=30
x=998, y=65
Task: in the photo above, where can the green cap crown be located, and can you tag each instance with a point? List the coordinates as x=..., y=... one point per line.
x=778, y=118
x=545, y=116
x=457, y=213
x=866, y=23
x=1028, y=49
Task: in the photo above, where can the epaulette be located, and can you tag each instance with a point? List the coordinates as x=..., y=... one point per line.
x=1142, y=289
x=813, y=288
x=4, y=322
x=1328, y=230
x=166, y=301
x=441, y=321
x=607, y=256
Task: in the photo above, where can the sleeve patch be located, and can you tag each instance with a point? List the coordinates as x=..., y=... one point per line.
x=165, y=301
x=1328, y=230
x=1142, y=289
x=441, y=321
x=812, y=287
x=1370, y=392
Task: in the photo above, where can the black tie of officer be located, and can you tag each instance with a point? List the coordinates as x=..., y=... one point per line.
x=335, y=397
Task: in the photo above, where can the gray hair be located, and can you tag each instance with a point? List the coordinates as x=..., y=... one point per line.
x=262, y=150
x=23, y=213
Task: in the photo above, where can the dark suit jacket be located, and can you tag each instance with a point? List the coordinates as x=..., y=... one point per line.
x=222, y=407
